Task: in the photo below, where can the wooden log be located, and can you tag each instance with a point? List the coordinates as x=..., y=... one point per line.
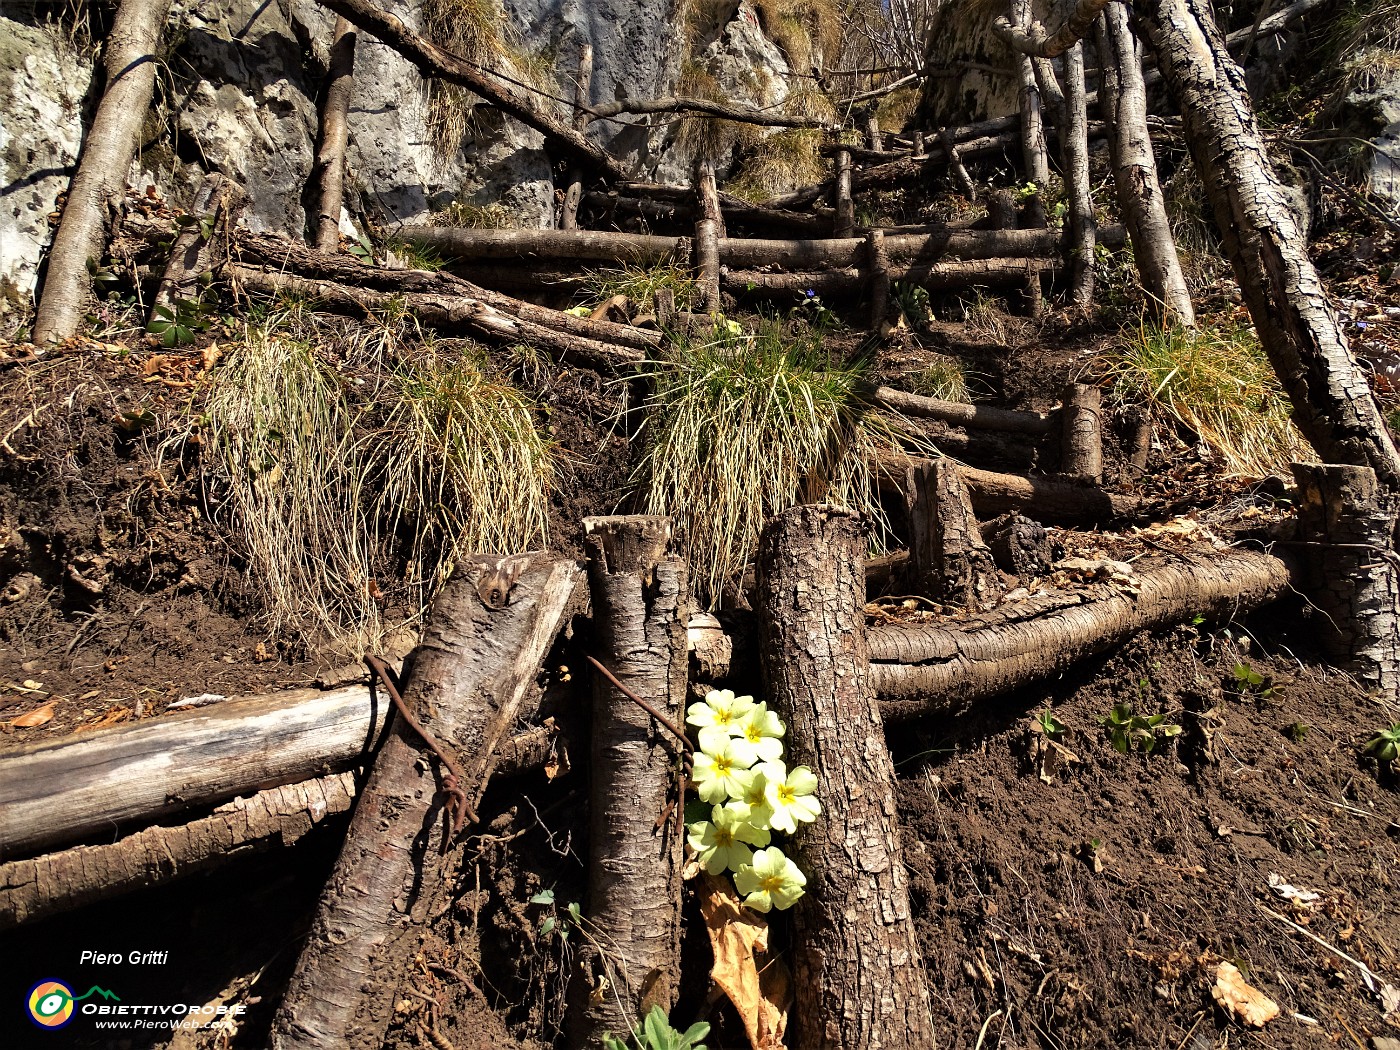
x=279, y=816
x=1035, y=40
x=832, y=283
x=842, y=201
x=448, y=313
x=283, y=255
x=92, y=784
x=193, y=251
x=948, y=559
x=644, y=197
x=1049, y=500
x=707, y=234
x=957, y=167
x=1347, y=523
x=328, y=173
x=583, y=84
x=878, y=279
x=1081, y=449
x=644, y=249
x=1035, y=161
x=635, y=850
x=472, y=678
x=859, y=977
x=981, y=417
x=920, y=669
x=129, y=61
x=1081, y=224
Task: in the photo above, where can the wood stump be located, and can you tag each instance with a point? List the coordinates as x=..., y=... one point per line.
x=948, y=559
x=858, y=974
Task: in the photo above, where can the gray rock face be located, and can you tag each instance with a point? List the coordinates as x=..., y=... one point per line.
x=42, y=83
x=1374, y=108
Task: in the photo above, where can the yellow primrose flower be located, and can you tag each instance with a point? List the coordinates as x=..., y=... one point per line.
x=753, y=805
x=763, y=731
x=718, y=718
x=723, y=841
x=791, y=798
x=770, y=881
x=722, y=774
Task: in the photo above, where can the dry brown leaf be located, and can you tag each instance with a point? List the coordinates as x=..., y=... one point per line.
x=759, y=990
x=1247, y=1003
x=37, y=717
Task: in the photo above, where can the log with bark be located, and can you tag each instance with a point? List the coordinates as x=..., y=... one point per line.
x=280, y=816
x=583, y=87
x=328, y=174
x=919, y=669
x=86, y=786
x=129, y=61
x=639, y=593
x=1333, y=404
x=1081, y=442
x=948, y=559
x=859, y=976
x=1074, y=138
x=709, y=229
x=1123, y=99
x=471, y=679
x=962, y=274
x=193, y=253
x=982, y=417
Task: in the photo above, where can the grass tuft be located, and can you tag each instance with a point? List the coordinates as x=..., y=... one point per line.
x=1218, y=383
x=739, y=427
x=943, y=378
x=639, y=284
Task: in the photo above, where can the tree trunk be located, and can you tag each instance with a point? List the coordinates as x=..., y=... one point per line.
x=1034, y=156
x=1081, y=442
x=707, y=235
x=1082, y=227
x=583, y=87
x=948, y=559
x=193, y=252
x=130, y=66
x=56, y=882
x=471, y=679
x=919, y=669
x=1123, y=102
x=845, y=206
x=76, y=787
x=635, y=853
x=1332, y=403
x=958, y=168
x=1347, y=521
x=329, y=172
x=858, y=973
x=877, y=280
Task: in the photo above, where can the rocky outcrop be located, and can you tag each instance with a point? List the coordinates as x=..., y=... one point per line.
x=42, y=85
x=1372, y=106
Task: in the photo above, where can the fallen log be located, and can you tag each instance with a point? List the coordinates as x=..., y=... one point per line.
x=646, y=198
x=328, y=173
x=858, y=973
x=472, y=678
x=283, y=255
x=919, y=669
x=1045, y=499
x=88, y=785
x=981, y=417
x=639, y=595
x=57, y=882
x=448, y=313
x=831, y=283
x=646, y=249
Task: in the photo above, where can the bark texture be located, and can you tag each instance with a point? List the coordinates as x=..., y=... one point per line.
x=708, y=230
x=1075, y=142
x=845, y=206
x=1123, y=101
x=1332, y=401
x=82, y=786
x=1348, y=521
x=194, y=249
x=948, y=558
x=1081, y=442
x=1035, y=40
x=920, y=669
x=1033, y=152
x=583, y=87
x=56, y=882
x=859, y=976
x=329, y=172
x=130, y=65
x=958, y=274
x=634, y=886
x=981, y=417
x=472, y=677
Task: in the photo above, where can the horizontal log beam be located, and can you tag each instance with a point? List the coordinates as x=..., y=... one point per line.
x=707, y=108
x=55, y=882
x=956, y=273
x=981, y=417
x=918, y=669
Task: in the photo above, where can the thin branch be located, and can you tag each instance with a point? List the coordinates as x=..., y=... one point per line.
x=676, y=104
x=1034, y=40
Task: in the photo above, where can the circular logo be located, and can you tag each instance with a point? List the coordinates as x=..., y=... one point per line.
x=51, y=1004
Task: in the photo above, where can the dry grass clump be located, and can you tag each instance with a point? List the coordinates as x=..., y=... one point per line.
x=709, y=138
x=943, y=378
x=342, y=491
x=740, y=427
x=639, y=283
x=1218, y=383
x=779, y=164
